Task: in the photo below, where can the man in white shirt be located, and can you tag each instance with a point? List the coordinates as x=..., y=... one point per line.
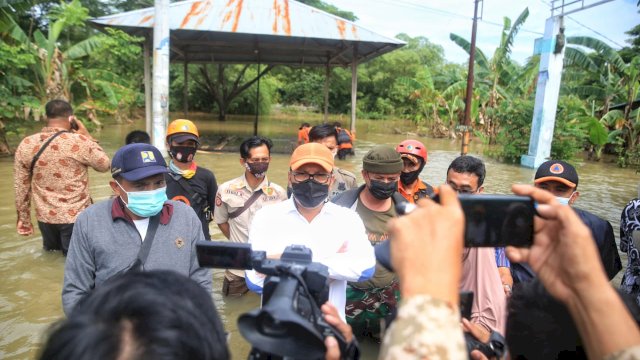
x=335, y=235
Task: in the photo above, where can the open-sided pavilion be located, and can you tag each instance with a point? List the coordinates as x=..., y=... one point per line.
x=276, y=32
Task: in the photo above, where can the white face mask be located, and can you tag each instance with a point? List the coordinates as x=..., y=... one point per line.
x=563, y=200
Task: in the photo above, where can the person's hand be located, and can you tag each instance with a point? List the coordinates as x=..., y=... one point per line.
x=563, y=253
x=82, y=130
x=24, y=229
x=478, y=355
x=478, y=331
x=426, y=248
x=332, y=317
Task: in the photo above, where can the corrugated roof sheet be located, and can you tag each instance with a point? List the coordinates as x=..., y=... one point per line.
x=282, y=32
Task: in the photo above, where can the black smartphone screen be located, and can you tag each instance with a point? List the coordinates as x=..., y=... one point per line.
x=498, y=220
x=466, y=302
x=224, y=255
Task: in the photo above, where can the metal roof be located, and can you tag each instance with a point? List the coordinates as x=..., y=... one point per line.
x=250, y=31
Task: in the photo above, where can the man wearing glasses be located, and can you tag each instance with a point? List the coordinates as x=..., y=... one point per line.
x=368, y=302
x=466, y=176
x=335, y=235
x=239, y=199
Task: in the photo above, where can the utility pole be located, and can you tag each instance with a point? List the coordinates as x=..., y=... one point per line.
x=160, y=92
x=551, y=50
x=255, y=122
x=469, y=95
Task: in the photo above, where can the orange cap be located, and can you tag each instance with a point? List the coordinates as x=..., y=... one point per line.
x=311, y=153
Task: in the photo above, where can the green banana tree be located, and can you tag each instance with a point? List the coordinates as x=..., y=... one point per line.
x=494, y=75
x=606, y=78
x=52, y=71
x=601, y=69
x=423, y=92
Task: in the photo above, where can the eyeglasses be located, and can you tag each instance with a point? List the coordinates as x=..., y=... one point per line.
x=320, y=178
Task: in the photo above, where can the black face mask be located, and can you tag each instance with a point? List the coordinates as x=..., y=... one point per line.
x=258, y=169
x=410, y=177
x=381, y=190
x=309, y=194
x=182, y=154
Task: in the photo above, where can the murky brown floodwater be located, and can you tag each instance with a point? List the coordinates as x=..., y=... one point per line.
x=32, y=279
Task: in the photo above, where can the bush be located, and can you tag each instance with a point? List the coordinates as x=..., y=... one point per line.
x=512, y=138
x=515, y=131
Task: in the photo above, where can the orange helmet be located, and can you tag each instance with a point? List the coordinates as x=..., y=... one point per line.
x=184, y=128
x=413, y=147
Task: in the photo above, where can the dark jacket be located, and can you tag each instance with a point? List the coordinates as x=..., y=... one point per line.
x=602, y=233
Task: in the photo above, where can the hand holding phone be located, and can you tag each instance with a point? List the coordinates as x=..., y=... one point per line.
x=73, y=123
x=493, y=220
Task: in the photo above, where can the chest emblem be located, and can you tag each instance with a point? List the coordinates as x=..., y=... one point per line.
x=179, y=243
x=267, y=190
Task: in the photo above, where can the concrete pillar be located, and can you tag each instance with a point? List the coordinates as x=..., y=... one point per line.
x=160, y=74
x=185, y=88
x=147, y=85
x=547, y=93
x=327, y=76
x=354, y=89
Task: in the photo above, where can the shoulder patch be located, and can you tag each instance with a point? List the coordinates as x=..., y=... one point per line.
x=268, y=190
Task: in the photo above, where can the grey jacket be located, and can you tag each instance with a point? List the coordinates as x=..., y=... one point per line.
x=102, y=246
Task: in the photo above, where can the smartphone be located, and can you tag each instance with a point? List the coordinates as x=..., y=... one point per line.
x=493, y=220
x=498, y=220
x=74, y=124
x=466, y=302
x=224, y=255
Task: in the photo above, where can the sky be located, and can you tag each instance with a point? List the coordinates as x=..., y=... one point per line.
x=435, y=19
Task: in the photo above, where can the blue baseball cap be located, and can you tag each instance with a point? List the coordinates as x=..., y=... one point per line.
x=137, y=161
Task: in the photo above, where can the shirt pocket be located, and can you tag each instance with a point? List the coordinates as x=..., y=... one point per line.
x=234, y=202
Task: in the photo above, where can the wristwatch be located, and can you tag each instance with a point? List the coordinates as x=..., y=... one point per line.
x=508, y=287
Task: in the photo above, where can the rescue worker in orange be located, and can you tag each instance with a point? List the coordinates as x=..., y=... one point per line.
x=345, y=141
x=186, y=181
x=414, y=158
x=303, y=133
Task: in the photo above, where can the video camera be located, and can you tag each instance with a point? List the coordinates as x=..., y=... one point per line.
x=290, y=322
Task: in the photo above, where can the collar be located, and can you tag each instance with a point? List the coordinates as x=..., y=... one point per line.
x=291, y=207
x=264, y=185
x=417, y=186
x=117, y=212
x=53, y=129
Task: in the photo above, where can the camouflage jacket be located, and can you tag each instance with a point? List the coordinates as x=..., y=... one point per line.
x=425, y=328
x=632, y=353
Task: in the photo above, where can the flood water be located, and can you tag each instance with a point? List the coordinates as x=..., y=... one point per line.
x=32, y=279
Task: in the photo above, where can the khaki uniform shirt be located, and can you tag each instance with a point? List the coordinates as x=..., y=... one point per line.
x=425, y=328
x=345, y=180
x=232, y=195
x=59, y=184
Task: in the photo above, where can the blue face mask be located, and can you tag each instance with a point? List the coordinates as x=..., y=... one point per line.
x=563, y=200
x=145, y=203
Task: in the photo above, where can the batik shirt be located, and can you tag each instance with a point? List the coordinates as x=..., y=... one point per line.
x=630, y=222
x=60, y=180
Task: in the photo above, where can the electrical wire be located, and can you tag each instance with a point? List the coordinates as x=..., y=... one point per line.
x=411, y=5
x=585, y=26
